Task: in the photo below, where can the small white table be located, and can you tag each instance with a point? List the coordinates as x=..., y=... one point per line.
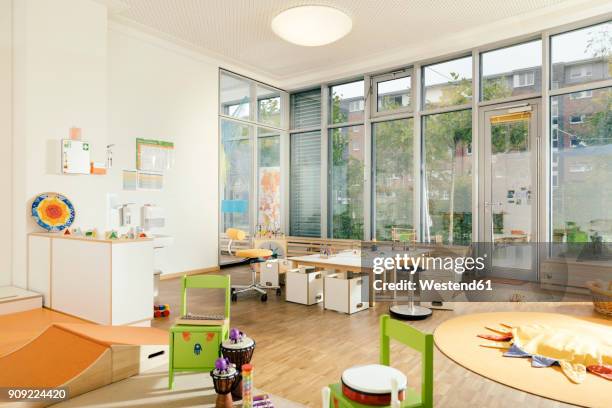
x=350, y=261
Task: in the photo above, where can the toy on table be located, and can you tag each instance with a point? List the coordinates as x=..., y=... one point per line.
x=238, y=349
x=67, y=232
x=225, y=379
x=247, y=386
x=112, y=234
x=161, y=310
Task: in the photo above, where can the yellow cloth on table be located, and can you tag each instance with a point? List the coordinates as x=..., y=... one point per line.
x=579, y=344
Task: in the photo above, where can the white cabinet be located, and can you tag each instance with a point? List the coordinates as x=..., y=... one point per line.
x=304, y=286
x=103, y=281
x=344, y=292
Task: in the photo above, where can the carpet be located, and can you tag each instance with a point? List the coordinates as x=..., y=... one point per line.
x=456, y=338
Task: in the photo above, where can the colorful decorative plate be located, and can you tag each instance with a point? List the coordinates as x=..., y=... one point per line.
x=53, y=211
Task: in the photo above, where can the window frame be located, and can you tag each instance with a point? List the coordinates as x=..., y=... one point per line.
x=375, y=80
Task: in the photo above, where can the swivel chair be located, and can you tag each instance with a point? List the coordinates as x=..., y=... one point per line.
x=253, y=256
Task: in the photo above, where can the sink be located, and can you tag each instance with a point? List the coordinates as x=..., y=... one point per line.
x=161, y=240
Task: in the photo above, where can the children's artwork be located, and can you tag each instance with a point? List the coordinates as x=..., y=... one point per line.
x=53, y=211
x=154, y=155
x=150, y=181
x=269, y=195
x=130, y=180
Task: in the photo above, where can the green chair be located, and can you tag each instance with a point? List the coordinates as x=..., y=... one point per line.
x=194, y=347
x=411, y=337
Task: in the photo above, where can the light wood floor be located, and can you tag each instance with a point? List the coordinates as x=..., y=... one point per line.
x=302, y=348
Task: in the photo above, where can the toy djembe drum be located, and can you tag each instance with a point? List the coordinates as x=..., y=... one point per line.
x=372, y=384
x=225, y=379
x=238, y=349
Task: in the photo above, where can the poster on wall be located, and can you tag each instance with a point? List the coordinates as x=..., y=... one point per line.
x=269, y=196
x=154, y=155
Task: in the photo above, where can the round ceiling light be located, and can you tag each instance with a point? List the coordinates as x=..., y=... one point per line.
x=312, y=26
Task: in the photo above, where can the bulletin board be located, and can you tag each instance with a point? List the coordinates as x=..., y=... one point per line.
x=154, y=155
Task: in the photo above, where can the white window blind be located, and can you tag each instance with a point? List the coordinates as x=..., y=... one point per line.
x=306, y=109
x=305, y=184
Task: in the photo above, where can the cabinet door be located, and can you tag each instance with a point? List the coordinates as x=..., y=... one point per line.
x=39, y=267
x=81, y=279
x=197, y=350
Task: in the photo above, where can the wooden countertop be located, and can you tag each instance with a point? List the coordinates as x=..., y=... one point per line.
x=59, y=235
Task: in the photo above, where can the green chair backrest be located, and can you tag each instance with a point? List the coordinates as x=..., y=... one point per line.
x=415, y=339
x=206, y=282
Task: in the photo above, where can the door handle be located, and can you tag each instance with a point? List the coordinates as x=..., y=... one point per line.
x=488, y=204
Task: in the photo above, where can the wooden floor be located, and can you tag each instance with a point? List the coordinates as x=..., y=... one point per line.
x=302, y=348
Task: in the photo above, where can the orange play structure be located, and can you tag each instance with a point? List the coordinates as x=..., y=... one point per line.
x=79, y=356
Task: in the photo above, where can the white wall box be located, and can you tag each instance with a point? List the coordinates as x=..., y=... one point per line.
x=103, y=281
x=343, y=292
x=304, y=286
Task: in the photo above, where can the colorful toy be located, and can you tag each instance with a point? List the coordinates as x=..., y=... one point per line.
x=247, y=386
x=225, y=377
x=53, y=212
x=161, y=310
x=196, y=347
x=238, y=349
x=357, y=387
x=112, y=235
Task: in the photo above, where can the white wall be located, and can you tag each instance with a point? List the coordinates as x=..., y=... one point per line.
x=117, y=85
x=59, y=72
x=158, y=92
x=5, y=139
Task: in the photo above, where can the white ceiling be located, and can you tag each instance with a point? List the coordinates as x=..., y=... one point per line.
x=238, y=31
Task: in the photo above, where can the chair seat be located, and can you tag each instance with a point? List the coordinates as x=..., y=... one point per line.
x=253, y=253
x=412, y=400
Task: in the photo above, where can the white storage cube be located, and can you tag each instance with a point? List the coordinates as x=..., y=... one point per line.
x=304, y=286
x=268, y=274
x=343, y=293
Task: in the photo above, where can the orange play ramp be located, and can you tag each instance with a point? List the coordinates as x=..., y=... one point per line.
x=110, y=335
x=53, y=350
x=50, y=360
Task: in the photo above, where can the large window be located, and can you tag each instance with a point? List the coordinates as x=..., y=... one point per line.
x=392, y=159
x=235, y=171
x=447, y=186
x=581, y=56
x=447, y=83
x=305, y=184
x=582, y=168
x=305, y=163
x=251, y=120
x=346, y=158
x=346, y=103
x=511, y=71
x=269, y=179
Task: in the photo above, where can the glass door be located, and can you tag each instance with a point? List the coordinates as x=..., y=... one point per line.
x=509, y=185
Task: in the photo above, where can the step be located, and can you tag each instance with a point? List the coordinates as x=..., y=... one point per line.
x=14, y=299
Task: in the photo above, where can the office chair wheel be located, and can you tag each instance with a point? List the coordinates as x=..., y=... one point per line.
x=234, y=295
x=264, y=297
x=278, y=292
